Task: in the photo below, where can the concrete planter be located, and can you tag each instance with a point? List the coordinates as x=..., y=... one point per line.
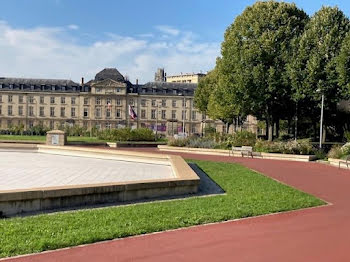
x=222, y=152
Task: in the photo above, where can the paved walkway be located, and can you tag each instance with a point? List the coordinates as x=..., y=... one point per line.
x=36, y=170
x=316, y=234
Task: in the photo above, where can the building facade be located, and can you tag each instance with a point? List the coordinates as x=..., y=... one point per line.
x=185, y=78
x=103, y=103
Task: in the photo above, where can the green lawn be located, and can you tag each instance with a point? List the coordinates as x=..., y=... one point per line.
x=247, y=194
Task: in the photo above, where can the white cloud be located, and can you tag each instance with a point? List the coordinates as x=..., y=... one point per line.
x=73, y=27
x=169, y=30
x=46, y=52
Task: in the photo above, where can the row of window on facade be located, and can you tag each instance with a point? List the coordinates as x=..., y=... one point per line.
x=98, y=112
x=44, y=87
x=98, y=101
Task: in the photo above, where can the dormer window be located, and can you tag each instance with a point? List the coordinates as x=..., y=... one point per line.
x=174, y=91
x=11, y=86
x=164, y=91
x=32, y=87
x=154, y=90
x=0, y=85
x=118, y=90
x=53, y=88
x=98, y=90
x=143, y=90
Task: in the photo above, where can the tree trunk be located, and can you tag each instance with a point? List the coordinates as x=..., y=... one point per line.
x=278, y=128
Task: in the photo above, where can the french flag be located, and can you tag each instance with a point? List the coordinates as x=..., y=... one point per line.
x=132, y=113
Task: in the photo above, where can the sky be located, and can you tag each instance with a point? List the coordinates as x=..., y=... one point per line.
x=70, y=39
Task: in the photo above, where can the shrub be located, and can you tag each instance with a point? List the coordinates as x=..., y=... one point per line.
x=196, y=142
x=336, y=152
x=180, y=142
x=201, y=142
x=127, y=134
x=242, y=138
x=302, y=147
x=347, y=136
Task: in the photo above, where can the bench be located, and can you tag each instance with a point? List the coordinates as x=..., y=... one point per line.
x=346, y=162
x=245, y=150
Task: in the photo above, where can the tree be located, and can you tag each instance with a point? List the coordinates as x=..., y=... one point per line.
x=213, y=98
x=255, y=52
x=313, y=69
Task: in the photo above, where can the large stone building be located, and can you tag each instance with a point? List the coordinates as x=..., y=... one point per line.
x=102, y=103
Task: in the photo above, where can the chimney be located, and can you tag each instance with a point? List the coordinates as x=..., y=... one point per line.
x=137, y=82
x=82, y=81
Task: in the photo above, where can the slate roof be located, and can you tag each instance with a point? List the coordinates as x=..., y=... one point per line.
x=34, y=81
x=39, y=85
x=165, y=88
x=109, y=73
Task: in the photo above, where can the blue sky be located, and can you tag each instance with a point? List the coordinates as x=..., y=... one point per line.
x=70, y=39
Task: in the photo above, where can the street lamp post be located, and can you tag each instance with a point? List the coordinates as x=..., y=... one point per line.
x=321, y=121
x=183, y=112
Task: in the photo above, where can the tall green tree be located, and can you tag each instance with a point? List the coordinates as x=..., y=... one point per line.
x=255, y=52
x=313, y=68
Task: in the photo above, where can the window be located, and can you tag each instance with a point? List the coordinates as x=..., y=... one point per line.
x=73, y=100
x=153, y=102
x=118, y=102
x=174, y=91
x=85, y=124
x=194, y=129
x=131, y=101
x=0, y=110
x=108, y=125
x=9, y=98
x=108, y=101
x=41, y=111
x=143, y=102
x=42, y=100
x=0, y=99
x=204, y=117
x=98, y=90
x=117, y=113
x=31, y=100
x=20, y=110
x=9, y=123
x=194, y=115
x=63, y=100
x=163, y=114
x=63, y=111
x=52, y=111
x=143, y=113
x=163, y=103
x=52, y=124
x=173, y=114
x=72, y=112
x=153, y=114
x=108, y=112
x=52, y=99
x=9, y=110
x=183, y=103
x=174, y=103
x=31, y=111
x=98, y=101
x=86, y=112
x=31, y=124
x=98, y=112
x=118, y=90
x=86, y=100
x=20, y=99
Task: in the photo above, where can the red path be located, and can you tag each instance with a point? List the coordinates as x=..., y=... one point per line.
x=316, y=234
